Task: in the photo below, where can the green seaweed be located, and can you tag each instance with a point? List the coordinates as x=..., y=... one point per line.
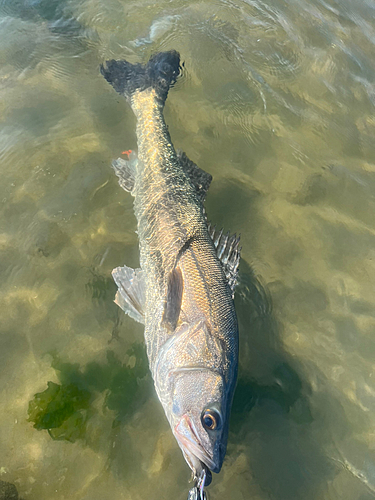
x=62, y=407
x=65, y=409
x=73, y=428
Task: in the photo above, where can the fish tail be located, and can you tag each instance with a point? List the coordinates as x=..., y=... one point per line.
x=160, y=73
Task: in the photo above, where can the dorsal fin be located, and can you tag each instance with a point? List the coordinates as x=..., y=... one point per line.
x=200, y=179
x=228, y=252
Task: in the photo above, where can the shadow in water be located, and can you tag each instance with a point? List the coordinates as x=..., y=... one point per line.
x=271, y=415
x=265, y=372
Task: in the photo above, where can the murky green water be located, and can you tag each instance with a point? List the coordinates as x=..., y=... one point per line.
x=277, y=103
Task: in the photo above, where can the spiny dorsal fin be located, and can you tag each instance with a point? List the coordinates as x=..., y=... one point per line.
x=200, y=179
x=228, y=252
x=131, y=293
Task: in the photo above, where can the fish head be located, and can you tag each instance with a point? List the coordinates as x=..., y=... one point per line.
x=199, y=417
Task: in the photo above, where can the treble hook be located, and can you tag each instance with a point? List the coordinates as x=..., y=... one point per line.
x=198, y=493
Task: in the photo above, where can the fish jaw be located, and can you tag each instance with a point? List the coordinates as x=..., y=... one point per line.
x=195, y=455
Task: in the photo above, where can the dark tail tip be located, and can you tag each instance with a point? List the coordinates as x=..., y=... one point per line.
x=163, y=69
x=160, y=73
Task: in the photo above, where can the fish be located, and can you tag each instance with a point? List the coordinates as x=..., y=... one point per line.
x=184, y=288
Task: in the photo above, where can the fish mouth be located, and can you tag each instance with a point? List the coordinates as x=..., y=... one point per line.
x=195, y=455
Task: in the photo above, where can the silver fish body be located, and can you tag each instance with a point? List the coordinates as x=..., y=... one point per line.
x=183, y=291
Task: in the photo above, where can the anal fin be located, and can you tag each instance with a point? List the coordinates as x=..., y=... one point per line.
x=131, y=293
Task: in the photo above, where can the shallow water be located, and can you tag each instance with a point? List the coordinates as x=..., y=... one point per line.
x=277, y=102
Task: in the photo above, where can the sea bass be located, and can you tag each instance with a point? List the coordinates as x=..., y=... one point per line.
x=183, y=291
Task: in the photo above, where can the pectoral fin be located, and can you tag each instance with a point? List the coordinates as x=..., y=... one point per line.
x=131, y=294
x=174, y=298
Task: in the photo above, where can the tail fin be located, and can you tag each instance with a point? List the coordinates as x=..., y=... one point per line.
x=160, y=72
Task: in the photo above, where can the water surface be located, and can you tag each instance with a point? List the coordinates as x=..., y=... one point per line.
x=277, y=102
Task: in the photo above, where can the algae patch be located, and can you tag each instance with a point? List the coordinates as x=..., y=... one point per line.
x=62, y=410
x=65, y=409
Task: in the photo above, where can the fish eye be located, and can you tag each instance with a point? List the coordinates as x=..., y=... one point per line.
x=210, y=420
